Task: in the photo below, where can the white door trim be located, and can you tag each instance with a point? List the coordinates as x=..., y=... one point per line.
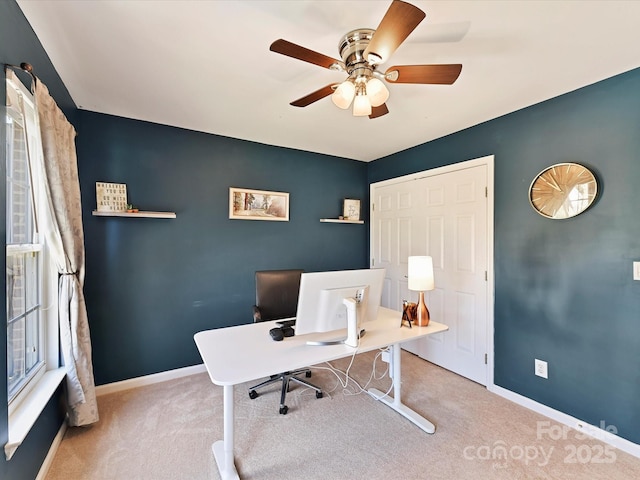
x=489, y=162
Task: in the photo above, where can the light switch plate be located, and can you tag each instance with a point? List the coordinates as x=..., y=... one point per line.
x=636, y=270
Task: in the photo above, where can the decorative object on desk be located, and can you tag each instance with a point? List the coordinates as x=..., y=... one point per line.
x=420, y=275
x=408, y=313
x=351, y=209
x=131, y=208
x=563, y=190
x=245, y=204
x=111, y=197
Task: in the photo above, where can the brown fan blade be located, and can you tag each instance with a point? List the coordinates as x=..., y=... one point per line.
x=379, y=111
x=396, y=25
x=429, y=74
x=315, y=96
x=301, y=53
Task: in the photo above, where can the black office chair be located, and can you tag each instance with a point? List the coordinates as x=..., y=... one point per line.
x=277, y=298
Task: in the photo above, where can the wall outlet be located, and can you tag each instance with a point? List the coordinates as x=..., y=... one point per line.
x=541, y=368
x=636, y=270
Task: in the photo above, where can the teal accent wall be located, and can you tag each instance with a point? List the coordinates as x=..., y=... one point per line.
x=19, y=44
x=564, y=291
x=151, y=284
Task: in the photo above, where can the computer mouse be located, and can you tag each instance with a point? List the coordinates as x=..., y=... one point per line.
x=277, y=334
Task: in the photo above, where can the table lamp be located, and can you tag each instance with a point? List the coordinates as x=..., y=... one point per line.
x=420, y=276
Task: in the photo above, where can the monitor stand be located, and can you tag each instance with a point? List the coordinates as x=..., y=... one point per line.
x=353, y=333
x=341, y=341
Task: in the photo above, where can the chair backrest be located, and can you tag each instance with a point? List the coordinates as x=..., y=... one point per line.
x=277, y=293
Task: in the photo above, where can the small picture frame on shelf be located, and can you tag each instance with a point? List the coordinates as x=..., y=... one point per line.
x=111, y=197
x=351, y=209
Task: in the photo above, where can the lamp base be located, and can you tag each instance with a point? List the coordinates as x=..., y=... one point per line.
x=422, y=317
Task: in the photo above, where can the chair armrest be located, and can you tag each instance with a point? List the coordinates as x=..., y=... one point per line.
x=257, y=315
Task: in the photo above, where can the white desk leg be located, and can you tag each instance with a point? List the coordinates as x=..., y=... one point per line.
x=223, y=449
x=396, y=401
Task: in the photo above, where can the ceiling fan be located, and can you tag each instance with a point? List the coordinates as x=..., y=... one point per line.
x=362, y=51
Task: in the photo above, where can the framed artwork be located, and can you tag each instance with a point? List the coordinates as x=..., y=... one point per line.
x=111, y=197
x=245, y=204
x=351, y=209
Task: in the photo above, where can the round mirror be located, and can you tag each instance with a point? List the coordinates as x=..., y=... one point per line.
x=563, y=190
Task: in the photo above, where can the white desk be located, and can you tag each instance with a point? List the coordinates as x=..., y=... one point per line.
x=224, y=352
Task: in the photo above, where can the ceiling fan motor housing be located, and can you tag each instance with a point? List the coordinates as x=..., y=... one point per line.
x=351, y=48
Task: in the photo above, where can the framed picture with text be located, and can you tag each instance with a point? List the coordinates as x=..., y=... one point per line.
x=111, y=197
x=351, y=209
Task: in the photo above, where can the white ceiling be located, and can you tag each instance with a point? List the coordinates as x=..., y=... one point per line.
x=206, y=65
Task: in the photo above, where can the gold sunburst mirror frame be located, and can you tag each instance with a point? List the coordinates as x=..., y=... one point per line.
x=563, y=190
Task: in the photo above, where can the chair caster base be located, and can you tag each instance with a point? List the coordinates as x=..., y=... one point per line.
x=253, y=394
x=283, y=410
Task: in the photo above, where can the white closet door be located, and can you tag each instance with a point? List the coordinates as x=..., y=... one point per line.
x=444, y=216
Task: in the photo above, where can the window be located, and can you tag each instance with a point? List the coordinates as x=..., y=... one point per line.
x=25, y=332
x=33, y=371
x=30, y=333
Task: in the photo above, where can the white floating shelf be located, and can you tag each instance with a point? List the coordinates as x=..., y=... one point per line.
x=337, y=220
x=96, y=213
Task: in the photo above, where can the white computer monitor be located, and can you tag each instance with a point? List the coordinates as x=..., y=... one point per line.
x=321, y=306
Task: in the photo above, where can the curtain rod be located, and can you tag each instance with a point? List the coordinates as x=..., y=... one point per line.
x=25, y=67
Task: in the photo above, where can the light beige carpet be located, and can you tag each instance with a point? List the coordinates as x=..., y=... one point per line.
x=165, y=431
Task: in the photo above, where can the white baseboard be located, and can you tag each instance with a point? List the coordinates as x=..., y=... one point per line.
x=149, y=379
x=48, y=460
x=572, y=422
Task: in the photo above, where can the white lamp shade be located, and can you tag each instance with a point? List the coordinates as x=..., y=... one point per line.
x=421, y=274
x=344, y=94
x=377, y=92
x=361, y=106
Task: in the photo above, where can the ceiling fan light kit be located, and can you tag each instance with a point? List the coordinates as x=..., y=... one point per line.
x=361, y=51
x=377, y=92
x=361, y=105
x=343, y=96
x=363, y=91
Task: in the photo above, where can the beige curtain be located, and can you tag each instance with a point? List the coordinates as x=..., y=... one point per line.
x=65, y=237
